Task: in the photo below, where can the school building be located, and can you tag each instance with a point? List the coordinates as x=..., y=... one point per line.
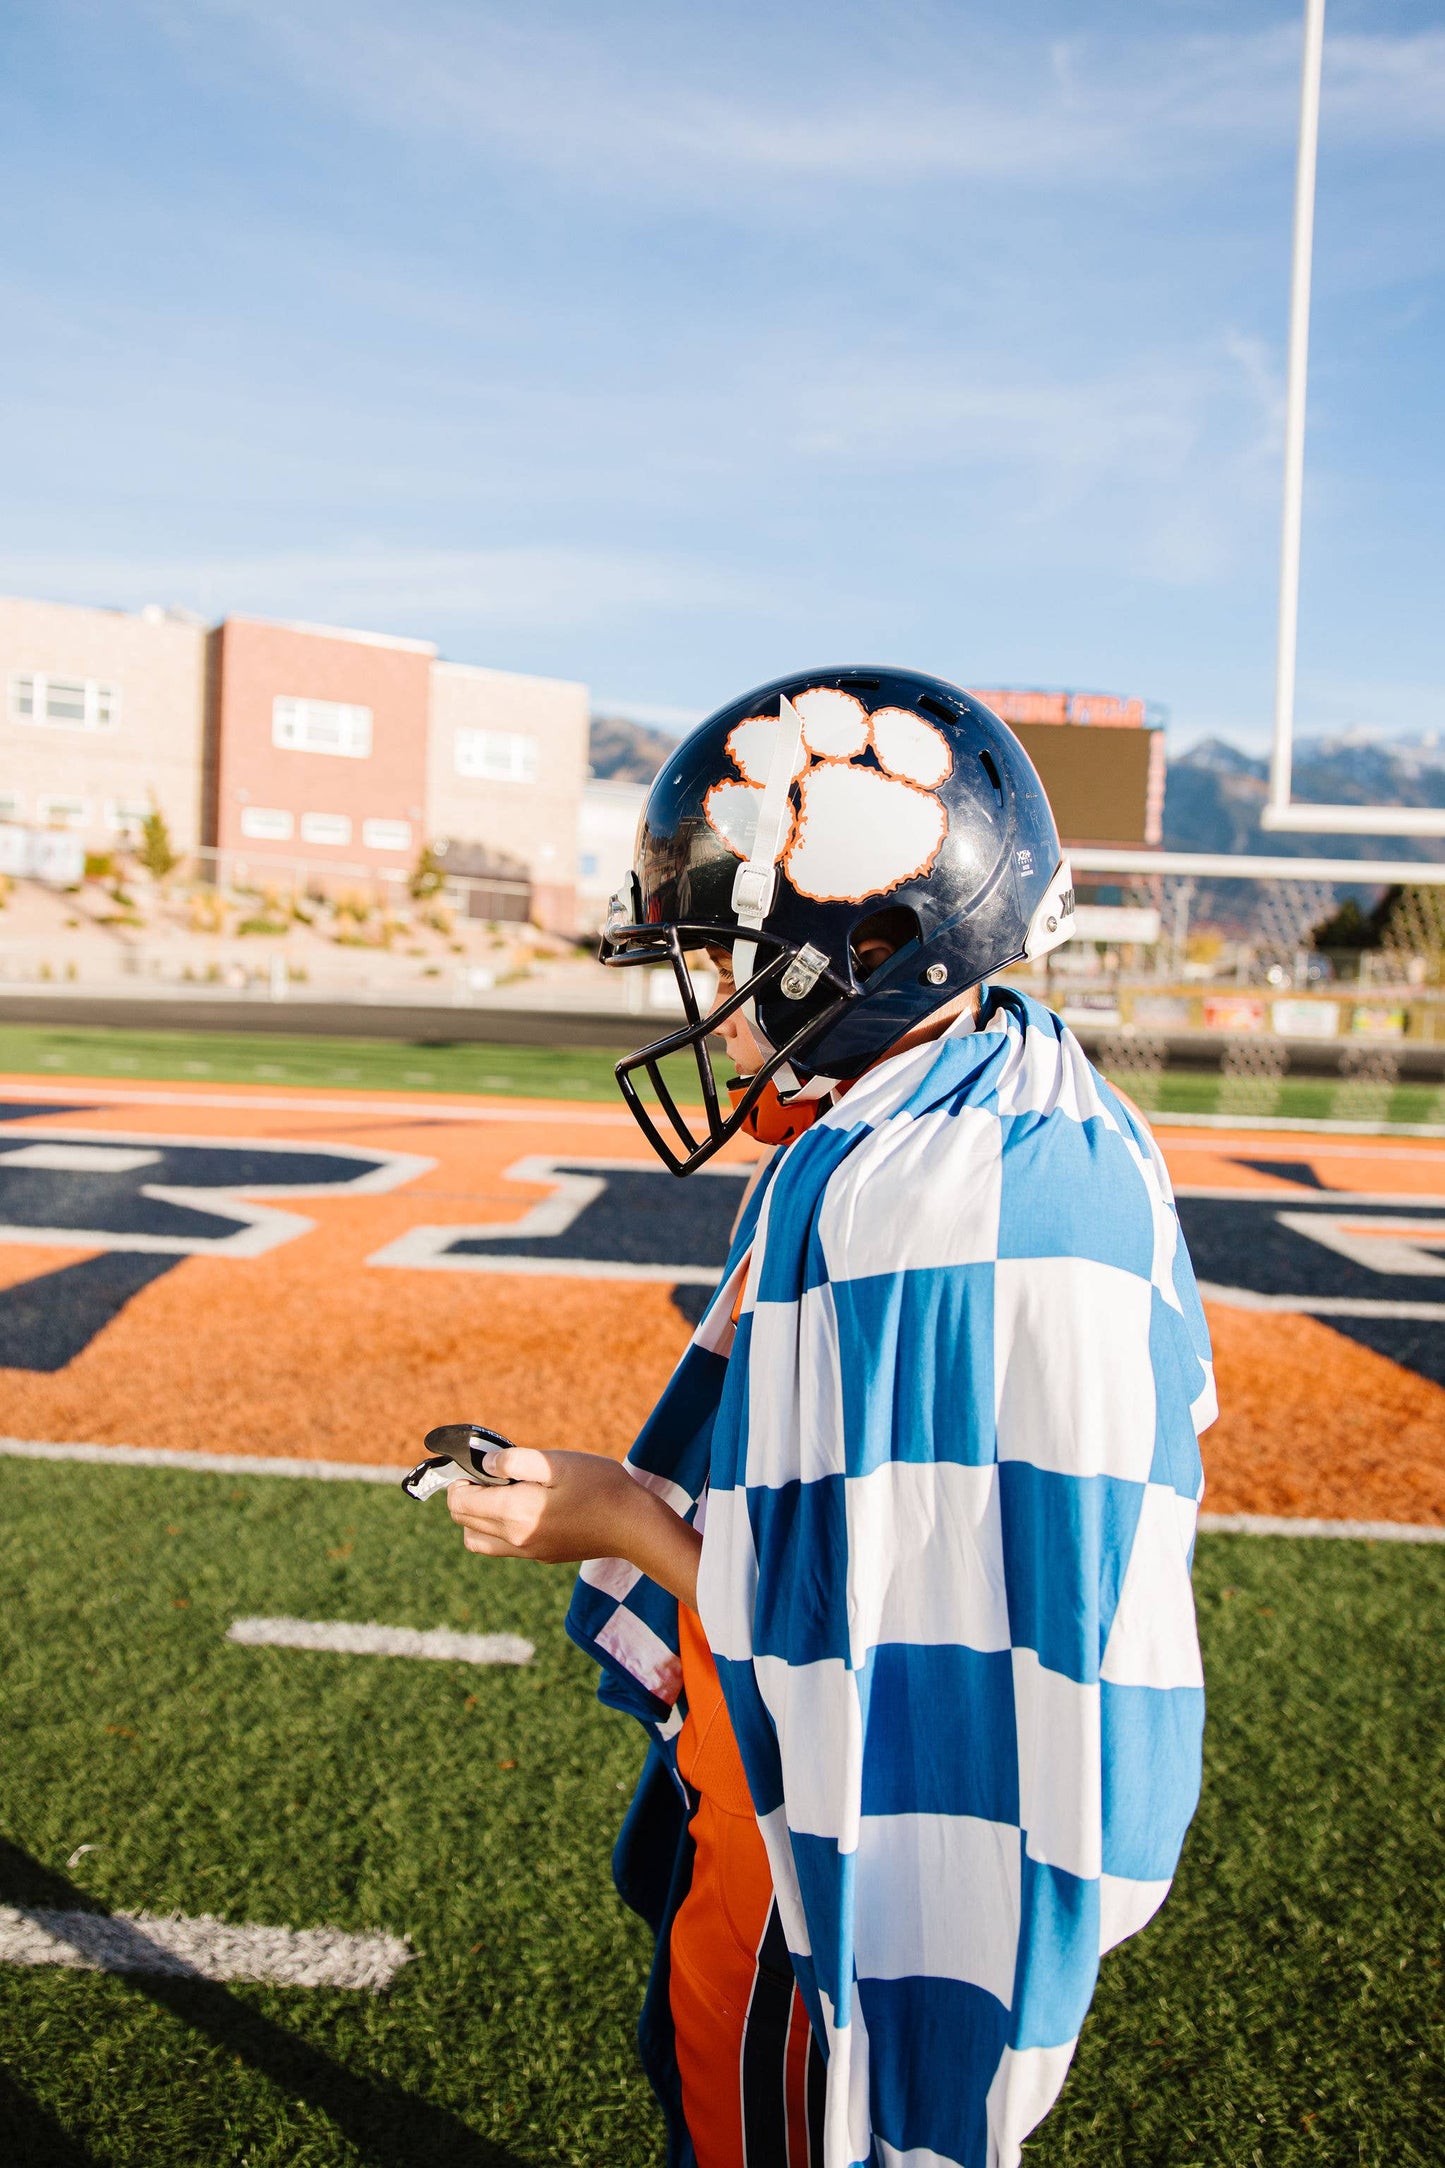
x=292, y=751
x=305, y=755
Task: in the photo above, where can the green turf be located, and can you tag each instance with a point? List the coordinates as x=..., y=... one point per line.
x=1303, y=1098
x=235, y=1057
x=1285, y=2008
x=279, y=1786
x=1288, y=2004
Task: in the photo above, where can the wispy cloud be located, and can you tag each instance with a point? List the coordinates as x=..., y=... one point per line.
x=522, y=589
x=747, y=103
x=1162, y=462
x=661, y=346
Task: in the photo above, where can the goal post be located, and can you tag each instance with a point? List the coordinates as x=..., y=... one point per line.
x=1281, y=813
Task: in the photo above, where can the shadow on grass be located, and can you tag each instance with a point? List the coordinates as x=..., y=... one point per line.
x=388, y=2127
x=33, y=2139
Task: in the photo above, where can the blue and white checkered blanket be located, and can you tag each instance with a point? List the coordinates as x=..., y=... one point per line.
x=947, y=1474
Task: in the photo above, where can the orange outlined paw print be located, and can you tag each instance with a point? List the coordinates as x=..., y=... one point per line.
x=861, y=827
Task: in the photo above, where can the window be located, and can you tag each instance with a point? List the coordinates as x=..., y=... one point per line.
x=325, y=828
x=386, y=835
x=266, y=823
x=63, y=812
x=12, y=806
x=587, y=866
x=58, y=703
x=320, y=726
x=497, y=756
x=126, y=817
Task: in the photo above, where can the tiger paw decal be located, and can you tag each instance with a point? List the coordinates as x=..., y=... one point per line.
x=861, y=826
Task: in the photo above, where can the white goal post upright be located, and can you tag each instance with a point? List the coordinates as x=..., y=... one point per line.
x=1296, y=385
x=1280, y=813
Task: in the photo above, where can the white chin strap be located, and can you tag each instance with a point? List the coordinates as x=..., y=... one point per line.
x=755, y=884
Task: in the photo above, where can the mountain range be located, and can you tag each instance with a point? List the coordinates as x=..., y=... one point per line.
x=1214, y=793
x=625, y=752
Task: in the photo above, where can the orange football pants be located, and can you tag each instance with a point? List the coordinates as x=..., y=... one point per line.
x=752, y=2073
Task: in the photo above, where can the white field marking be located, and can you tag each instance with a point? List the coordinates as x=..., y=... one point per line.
x=569, y=1110
x=1245, y=1298
x=258, y=1227
x=341, y=1637
x=79, y=1158
x=426, y=1249
x=200, y=1949
x=154, y=1456
x=1401, y=1247
x=349, y=1471
x=573, y=1188
x=1309, y=1124
x=1269, y=1524
x=441, y=1110
x=1308, y=1153
x=1296, y=1193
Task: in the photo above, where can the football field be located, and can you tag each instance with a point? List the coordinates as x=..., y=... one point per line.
x=273, y=1891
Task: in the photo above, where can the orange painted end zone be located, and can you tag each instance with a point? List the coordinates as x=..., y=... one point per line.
x=307, y=1349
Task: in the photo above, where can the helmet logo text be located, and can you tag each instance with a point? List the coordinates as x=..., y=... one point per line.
x=862, y=825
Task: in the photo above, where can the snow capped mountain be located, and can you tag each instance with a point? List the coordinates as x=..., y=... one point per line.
x=1216, y=792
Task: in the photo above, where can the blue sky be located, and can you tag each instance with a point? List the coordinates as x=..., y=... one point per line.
x=671, y=346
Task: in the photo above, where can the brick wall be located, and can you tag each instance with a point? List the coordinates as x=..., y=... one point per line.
x=332, y=800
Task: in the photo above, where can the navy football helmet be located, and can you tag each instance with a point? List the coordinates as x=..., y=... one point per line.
x=786, y=822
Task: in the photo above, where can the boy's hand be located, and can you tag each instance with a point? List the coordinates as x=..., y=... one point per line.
x=563, y=1507
x=559, y=1507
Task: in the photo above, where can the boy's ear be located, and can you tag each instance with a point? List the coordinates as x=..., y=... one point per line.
x=882, y=935
x=870, y=956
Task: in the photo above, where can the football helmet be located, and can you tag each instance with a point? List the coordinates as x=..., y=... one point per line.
x=780, y=827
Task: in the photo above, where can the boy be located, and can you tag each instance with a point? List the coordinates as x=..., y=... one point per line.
x=897, y=1573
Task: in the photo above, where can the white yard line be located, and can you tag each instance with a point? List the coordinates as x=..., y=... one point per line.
x=199, y=1949
x=151, y=1456
x=346, y=1471
x=1312, y=1152
x=1245, y=1298
x=1311, y=1124
x=345, y=1638
x=429, y=1249
x=1300, y=1193
x=126, y=1095
x=607, y=1117
x=1270, y=1524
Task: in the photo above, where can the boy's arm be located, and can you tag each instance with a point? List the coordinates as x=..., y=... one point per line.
x=560, y=1508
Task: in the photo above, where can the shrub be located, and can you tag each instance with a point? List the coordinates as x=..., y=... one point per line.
x=154, y=850
x=428, y=878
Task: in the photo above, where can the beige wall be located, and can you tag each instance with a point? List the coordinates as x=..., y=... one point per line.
x=606, y=838
x=535, y=820
x=155, y=668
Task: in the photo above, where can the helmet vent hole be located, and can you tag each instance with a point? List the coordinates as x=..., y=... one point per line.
x=939, y=708
x=990, y=769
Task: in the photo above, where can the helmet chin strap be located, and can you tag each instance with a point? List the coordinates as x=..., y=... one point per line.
x=755, y=887
x=755, y=884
